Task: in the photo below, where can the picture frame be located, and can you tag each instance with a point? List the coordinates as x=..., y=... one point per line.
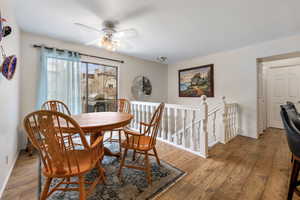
x=196, y=81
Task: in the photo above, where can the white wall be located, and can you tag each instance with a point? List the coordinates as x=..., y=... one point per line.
x=235, y=76
x=9, y=99
x=132, y=67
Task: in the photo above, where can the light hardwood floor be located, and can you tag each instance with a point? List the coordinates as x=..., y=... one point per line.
x=242, y=169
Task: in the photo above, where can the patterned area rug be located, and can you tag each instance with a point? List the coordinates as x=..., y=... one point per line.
x=134, y=185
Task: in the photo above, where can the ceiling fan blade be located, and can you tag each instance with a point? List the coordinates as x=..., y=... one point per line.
x=95, y=7
x=126, y=33
x=93, y=42
x=135, y=13
x=89, y=27
x=126, y=45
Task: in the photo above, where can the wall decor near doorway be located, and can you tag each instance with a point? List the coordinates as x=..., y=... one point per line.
x=196, y=81
x=9, y=63
x=141, y=87
x=8, y=66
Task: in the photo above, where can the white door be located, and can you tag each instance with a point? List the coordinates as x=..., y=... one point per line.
x=283, y=85
x=294, y=85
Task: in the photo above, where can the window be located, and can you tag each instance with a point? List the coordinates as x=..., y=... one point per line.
x=99, y=86
x=83, y=86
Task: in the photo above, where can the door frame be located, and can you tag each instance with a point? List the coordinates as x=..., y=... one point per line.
x=263, y=87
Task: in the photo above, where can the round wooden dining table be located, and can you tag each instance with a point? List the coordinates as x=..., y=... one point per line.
x=95, y=124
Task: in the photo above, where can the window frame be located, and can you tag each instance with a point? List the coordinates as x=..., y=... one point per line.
x=87, y=87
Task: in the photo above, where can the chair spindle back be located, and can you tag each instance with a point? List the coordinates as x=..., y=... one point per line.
x=150, y=130
x=155, y=123
x=56, y=105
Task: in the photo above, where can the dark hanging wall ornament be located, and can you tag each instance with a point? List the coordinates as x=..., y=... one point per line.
x=147, y=87
x=6, y=30
x=9, y=63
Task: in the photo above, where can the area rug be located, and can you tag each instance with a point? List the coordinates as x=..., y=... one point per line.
x=134, y=185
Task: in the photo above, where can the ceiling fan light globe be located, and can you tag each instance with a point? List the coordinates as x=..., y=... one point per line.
x=109, y=44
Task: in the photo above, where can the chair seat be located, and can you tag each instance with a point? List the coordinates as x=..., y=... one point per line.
x=85, y=163
x=138, y=142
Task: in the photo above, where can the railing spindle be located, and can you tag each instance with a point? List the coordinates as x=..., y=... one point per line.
x=136, y=116
x=162, y=126
x=192, y=137
x=184, y=132
x=169, y=135
x=132, y=112
x=176, y=133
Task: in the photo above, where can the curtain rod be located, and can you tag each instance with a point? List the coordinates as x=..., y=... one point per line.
x=82, y=54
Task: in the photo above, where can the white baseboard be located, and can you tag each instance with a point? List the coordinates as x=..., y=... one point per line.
x=177, y=146
x=8, y=175
x=180, y=147
x=210, y=145
x=249, y=136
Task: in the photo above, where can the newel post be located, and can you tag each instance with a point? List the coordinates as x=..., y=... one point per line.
x=223, y=122
x=203, y=129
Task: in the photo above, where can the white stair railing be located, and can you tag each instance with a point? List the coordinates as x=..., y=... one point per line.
x=223, y=122
x=192, y=128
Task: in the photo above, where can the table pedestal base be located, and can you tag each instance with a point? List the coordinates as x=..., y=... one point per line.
x=107, y=152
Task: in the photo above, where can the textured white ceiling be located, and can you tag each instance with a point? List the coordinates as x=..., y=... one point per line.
x=177, y=29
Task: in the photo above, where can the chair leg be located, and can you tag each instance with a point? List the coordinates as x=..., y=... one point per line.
x=44, y=194
x=82, y=194
x=93, y=138
x=110, y=137
x=293, y=179
x=122, y=162
x=29, y=148
x=101, y=171
x=148, y=168
x=133, y=155
x=120, y=141
x=156, y=156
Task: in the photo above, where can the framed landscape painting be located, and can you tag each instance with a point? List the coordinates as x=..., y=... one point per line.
x=196, y=81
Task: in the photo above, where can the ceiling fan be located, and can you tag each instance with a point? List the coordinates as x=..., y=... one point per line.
x=109, y=35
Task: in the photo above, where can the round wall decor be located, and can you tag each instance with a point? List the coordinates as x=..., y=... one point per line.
x=141, y=87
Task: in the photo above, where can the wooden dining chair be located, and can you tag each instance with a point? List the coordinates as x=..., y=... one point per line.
x=56, y=105
x=52, y=134
x=291, y=123
x=142, y=142
x=123, y=105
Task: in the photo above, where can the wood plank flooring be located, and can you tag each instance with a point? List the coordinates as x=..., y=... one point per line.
x=242, y=169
